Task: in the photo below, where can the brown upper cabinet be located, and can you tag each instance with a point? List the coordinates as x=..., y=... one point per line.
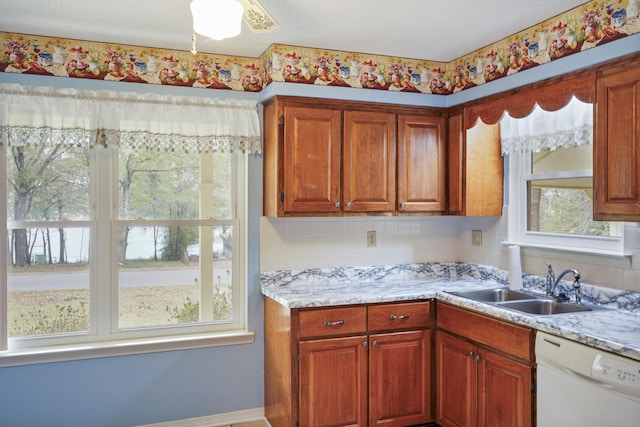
x=369, y=162
x=475, y=168
x=326, y=157
x=311, y=160
x=421, y=163
x=616, y=171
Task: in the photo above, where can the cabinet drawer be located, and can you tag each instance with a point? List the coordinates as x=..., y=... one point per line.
x=502, y=336
x=411, y=315
x=332, y=321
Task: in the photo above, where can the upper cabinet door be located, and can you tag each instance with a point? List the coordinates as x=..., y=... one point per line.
x=311, y=160
x=616, y=163
x=421, y=163
x=369, y=156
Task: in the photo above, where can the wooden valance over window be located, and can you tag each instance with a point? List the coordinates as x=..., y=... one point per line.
x=520, y=102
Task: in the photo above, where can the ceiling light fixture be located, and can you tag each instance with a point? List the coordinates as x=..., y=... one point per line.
x=217, y=19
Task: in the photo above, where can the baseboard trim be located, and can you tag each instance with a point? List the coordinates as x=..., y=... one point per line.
x=238, y=417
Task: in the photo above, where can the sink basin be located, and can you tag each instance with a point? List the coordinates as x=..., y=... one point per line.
x=524, y=302
x=495, y=295
x=543, y=307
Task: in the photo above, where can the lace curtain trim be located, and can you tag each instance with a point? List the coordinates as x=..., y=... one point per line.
x=582, y=135
x=43, y=115
x=25, y=136
x=569, y=126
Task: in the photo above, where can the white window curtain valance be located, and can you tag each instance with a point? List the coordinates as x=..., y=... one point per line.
x=548, y=130
x=31, y=115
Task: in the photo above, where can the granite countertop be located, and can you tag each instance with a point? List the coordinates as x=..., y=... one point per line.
x=615, y=328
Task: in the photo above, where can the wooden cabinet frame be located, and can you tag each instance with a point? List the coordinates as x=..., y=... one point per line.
x=617, y=145
x=384, y=352
x=485, y=370
x=352, y=167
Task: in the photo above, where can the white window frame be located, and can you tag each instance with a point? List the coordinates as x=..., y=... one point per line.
x=519, y=176
x=104, y=337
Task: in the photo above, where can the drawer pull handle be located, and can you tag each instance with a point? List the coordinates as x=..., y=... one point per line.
x=404, y=316
x=337, y=322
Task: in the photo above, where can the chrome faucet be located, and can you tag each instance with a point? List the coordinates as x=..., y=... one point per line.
x=552, y=283
x=551, y=278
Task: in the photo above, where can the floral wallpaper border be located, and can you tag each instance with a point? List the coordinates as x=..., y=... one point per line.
x=592, y=24
x=60, y=57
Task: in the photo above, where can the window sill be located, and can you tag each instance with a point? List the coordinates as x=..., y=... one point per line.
x=583, y=251
x=32, y=356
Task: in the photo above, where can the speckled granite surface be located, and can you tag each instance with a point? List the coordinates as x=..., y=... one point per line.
x=615, y=329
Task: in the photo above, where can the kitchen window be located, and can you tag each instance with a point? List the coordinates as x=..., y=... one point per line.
x=551, y=181
x=125, y=216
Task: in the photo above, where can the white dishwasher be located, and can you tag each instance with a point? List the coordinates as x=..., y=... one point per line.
x=582, y=386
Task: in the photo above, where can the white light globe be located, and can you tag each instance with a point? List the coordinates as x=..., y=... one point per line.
x=217, y=19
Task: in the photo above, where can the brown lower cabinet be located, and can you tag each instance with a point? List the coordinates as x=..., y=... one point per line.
x=370, y=365
x=484, y=371
x=364, y=365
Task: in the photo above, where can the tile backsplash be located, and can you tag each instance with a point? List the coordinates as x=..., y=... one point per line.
x=298, y=243
x=293, y=243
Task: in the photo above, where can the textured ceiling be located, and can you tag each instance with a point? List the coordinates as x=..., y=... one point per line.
x=441, y=30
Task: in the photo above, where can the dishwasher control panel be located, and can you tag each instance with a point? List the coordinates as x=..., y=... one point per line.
x=610, y=371
x=623, y=376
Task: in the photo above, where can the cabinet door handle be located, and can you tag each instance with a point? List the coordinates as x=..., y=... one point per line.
x=348, y=204
x=374, y=343
x=364, y=344
x=403, y=205
x=337, y=204
x=474, y=355
x=403, y=316
x=336, y=323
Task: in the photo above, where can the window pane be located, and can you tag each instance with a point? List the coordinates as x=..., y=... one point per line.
x=562, y=159
x=48, y=281
x=223, y=186
x=164, y=280
x=222, y=268
x=158, y=185
x=157, y=276
x=565, y=206
x=47, y=183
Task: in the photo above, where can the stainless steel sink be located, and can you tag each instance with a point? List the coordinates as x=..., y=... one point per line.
x=523, y=302
x=495, y=295
x=544, y=306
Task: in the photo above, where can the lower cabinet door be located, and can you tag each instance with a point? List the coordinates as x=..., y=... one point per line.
x=333, y=382
x=399, y=379
x=504, y=391
x=456, y=373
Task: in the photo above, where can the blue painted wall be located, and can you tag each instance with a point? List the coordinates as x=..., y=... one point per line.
x=156, y=387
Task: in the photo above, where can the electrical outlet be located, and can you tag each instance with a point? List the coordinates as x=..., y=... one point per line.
x=476, y=237
x=371, y=239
